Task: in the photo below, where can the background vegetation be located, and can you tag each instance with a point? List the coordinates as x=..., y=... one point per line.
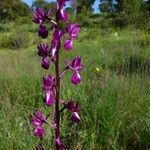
x=115, y=90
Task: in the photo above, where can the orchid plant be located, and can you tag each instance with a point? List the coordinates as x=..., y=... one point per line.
x=50, y=54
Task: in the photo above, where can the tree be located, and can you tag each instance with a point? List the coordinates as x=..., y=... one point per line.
x=10, y=9
x=84, y=3
x=44, y=4
x=128, y=12
x=106, y=6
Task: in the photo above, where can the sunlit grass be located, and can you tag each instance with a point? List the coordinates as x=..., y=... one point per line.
x=114, y=94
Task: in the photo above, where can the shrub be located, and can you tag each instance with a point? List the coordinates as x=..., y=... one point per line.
x=15, y=40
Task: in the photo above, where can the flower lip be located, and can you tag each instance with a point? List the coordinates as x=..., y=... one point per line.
x=75, y=117
x=38, y=131
x=42, y=32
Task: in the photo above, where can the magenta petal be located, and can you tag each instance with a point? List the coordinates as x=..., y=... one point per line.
x=73, y=30
x=36, y=121
x=49, y=98
x=61, y=15
x=75, y=117
x=43, y=50
x=68, y=44
x=60, y=144
x=73, y=107
x=43, y=32
x=48, y=83
x=75, y=79
x=38, y=131
x=45, y=63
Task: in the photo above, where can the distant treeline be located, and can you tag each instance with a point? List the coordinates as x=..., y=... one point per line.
x=116, y=13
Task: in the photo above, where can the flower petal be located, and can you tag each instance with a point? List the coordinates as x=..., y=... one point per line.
x=68, y=44
x=76, y=78
x=45, y=63
x=38, y=131
x=49, y=98
x=75, y=117
x=43, y=32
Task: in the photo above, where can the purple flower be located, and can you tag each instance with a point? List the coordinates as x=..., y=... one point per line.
x=75, y=78
x=40, y=16
x=48, y=87
x=45, y=63
x=49, y=98
x=42, y=32
x=58, y=33
x=48, y=83
x=74, y=108
x=61, y=14
x=60, y=144
x=38, y=131
x=61, y=3
x=37, y=118
x=43, y=50
x=73, y=30
x=76, y=66
x=68, y=44
x=75, y=117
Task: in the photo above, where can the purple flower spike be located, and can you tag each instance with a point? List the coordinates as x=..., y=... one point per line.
x=61, y=15
x=43, y=50
x=75, y=117
x=76, y=78
x=39, y=16
x=68, y=44
x=49, y=98
x=43, y=32
x=45, y=63
x=73, y=30
x=38, y=131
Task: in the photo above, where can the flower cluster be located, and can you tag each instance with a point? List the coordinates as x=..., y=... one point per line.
x=49, y=54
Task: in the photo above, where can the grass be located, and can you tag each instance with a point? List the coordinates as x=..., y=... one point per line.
x=115, y=106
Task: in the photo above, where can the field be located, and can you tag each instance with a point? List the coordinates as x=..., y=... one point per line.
x=114, y=93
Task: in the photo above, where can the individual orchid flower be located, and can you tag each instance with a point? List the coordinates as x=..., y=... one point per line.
x=43, y=52
x=74, y=108
x=39, y=131
x=76, y=66
x=42, y=32
x=48, y=87
x=39, y=16
x=37, y=121
x=73, y=31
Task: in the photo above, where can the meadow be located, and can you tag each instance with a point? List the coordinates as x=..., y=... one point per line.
x=114, y=93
